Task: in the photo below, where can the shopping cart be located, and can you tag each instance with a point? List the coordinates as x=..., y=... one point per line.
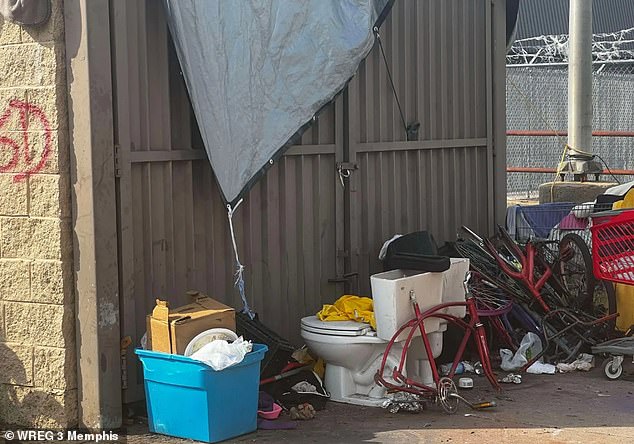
x=561, y=235
x=552, y=221
x=613, y=260
x=613, y=249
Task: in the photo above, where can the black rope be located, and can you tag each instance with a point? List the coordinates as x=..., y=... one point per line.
x=389, y=75
x=608, y=168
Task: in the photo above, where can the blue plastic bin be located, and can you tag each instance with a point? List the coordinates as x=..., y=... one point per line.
x=188, y=399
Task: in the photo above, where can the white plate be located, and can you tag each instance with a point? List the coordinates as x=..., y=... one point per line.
x=208, y=336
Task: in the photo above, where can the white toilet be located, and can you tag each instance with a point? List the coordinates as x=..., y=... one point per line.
x=353, y=351
x=353, y=354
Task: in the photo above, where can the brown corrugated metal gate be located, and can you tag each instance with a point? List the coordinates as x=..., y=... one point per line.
x=300, y=232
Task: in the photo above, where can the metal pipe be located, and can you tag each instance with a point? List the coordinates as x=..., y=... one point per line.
x=554, y=170
x=598, y=133
x=580, y=79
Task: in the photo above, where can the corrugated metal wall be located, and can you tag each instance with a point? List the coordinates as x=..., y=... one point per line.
x=173, y=223
x=299, y=231
x=439, y=56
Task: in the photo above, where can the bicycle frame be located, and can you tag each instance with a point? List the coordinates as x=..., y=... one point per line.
x=543, y=304
x=572, y=322
x=474, y=326
x=527, y=273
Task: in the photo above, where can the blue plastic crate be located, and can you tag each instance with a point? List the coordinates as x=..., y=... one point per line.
x=188, y=399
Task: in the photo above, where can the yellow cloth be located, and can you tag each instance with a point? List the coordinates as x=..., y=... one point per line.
x=624, y=306
x=349, y=308
x=627, y=202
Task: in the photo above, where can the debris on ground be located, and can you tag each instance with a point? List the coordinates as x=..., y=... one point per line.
x=512, y=378
x=585, y=362
x=303, y=412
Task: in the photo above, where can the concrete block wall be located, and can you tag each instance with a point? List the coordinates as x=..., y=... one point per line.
x=38, y=372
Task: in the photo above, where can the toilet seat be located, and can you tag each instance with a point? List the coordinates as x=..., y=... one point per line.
x=336, y=328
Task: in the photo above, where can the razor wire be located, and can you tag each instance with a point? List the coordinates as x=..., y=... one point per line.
x=554, y=48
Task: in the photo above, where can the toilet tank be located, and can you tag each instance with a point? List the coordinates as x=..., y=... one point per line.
x=453, y=289
x=392, y=306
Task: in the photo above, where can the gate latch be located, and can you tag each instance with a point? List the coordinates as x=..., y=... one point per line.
x=345, y=170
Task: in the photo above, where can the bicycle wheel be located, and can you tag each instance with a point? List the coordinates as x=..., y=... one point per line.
x=575, y=271
x=593, y=296
x=604, y=301
x=554, y=291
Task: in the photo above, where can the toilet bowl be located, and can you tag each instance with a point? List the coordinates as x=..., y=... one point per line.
x=353, y=353
x=417, y=363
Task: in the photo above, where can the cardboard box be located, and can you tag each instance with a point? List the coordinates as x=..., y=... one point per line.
x=169, y=330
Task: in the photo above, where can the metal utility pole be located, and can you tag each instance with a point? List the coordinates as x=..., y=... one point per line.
x=580, y=159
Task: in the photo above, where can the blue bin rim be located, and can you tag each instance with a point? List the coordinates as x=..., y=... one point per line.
x=256, y=354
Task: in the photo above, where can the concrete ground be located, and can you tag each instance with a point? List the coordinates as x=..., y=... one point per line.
x=563, y=408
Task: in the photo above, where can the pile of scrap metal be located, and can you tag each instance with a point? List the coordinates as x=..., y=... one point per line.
x=546, y=287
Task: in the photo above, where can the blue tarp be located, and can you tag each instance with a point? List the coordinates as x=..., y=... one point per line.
x=258, y=71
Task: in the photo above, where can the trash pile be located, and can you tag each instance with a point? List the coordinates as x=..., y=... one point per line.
x=542, y=287
x=533, y=306
x=548, y=283
x=230, y=373
x=381, y=351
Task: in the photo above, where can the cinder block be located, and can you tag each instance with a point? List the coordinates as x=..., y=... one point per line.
x=12, y=120
x=50, y=103
x=29, y=64
x=17, y=364
x=37, y=407
x=49, y=153
x=49, y=195
x=55, y=368
x=59, y=159
x=577, y=192
x=43, y=149
x=13, y=196
x=40, y=324
x=15, y=279
x=9, y=32
x=3, y=336
x=32, y=238
x=51, y=282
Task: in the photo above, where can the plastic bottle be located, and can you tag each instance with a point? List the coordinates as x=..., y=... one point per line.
x=446, y=368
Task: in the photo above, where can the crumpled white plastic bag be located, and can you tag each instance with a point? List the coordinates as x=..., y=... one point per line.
x=220, y=354
x=530, y=346
x=584, y=362
x=539, y=368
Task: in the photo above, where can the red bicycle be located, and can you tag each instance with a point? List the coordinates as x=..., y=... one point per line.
x=445, y=392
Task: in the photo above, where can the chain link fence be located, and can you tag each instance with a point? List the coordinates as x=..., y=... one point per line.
x=537, y=99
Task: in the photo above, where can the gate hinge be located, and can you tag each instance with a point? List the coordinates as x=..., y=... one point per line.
x=117, y=162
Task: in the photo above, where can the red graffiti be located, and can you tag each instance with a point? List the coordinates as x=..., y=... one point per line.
x=30, y=165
